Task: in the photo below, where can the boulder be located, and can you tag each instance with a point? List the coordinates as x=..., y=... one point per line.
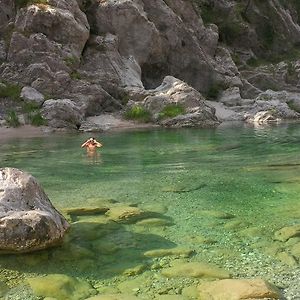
x=238, y=289
x=172, y=91
x=31, y=95
x=262, y=117
x=7, y=11
x=28, y=220
x=287, y=232
x=61, y=287
x=264, y=111
x=195, y=270
x=201, y=117
x=125, y=214
x=61, y=21
x=231, y=97
x=175, y=92
x=61, y=113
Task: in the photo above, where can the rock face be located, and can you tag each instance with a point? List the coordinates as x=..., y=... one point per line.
x=101, y=54
x=28, y=220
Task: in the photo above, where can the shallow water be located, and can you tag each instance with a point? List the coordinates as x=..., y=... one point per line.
x=224, y=192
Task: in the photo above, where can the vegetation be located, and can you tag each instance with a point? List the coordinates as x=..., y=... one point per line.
x=71, y=61
x=214, y=91
x=33, y=114
x=75, y=75
x=291, y=104
x=36, y=119
x=138, y=113
x=8, y=90
x=171, y=111
x=12, y=119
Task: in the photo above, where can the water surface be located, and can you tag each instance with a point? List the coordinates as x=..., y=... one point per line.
x=224, y=192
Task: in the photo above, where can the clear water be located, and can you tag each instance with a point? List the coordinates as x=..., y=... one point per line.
x=251, y=173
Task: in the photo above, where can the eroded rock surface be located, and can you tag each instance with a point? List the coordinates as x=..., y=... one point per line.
x=28, y=220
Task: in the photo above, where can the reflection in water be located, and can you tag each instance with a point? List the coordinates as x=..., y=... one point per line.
x=93, y=157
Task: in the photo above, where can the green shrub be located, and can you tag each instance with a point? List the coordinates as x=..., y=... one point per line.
x=29, y=107
x=71, y=61
x=292, y=106
x=12, y=91
x=75, y=75
x=171, y=111
x=214, y=91
x=12, y=119
x=138, y=113
x=230, y=31
x=36, y=119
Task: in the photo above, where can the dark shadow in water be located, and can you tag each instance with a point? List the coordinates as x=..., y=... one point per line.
x=92, y=250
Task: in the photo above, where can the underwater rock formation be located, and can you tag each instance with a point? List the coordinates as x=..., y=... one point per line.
x=28, y=220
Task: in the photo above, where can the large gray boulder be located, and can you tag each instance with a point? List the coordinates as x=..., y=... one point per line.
x=62, y=113
x=200, y=117
x=28, y=220
x=172, y=91
x=32, y=96
x=61, y=21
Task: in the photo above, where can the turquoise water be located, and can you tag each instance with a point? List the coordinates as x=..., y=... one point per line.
x=221, y=192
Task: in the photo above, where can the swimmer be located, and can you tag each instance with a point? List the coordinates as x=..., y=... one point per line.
x=91, y=145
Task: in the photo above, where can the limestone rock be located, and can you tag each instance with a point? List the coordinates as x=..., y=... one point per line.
x=296, y=251
x=237, y=289
x=125, y=214
x=231, y=97
x=172, y=91
x=179, y=251
x=263, y=117
x=201, y=117
x=154, y=222
x=288, y=232
x=61, y=21
x=61, y=113
x=7, y=11
x=61, y=287
x=83, y=211
x=113, y=297
x=31, y=95
x=195, y=269
x=28, y=220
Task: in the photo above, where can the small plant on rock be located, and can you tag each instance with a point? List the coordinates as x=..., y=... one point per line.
x=8, y=90
x=138, y=113
x=171, y=111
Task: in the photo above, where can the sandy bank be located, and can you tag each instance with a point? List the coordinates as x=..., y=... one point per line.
x=26, y=131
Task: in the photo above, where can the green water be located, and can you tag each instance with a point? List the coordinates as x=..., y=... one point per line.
x=195, y=177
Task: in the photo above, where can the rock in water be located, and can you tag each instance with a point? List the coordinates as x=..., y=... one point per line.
x=28, y=220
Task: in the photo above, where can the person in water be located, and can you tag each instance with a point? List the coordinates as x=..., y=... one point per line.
x=91, y=145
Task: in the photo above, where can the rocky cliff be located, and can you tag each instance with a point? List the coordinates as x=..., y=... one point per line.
x=68, y=60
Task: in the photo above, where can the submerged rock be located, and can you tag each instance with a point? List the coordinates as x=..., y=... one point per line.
x=196, y=270
x=28, y=220
x=288, y=232
x=229, y=289
x=114, y=297
x=125, y=214
x=61, y=287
